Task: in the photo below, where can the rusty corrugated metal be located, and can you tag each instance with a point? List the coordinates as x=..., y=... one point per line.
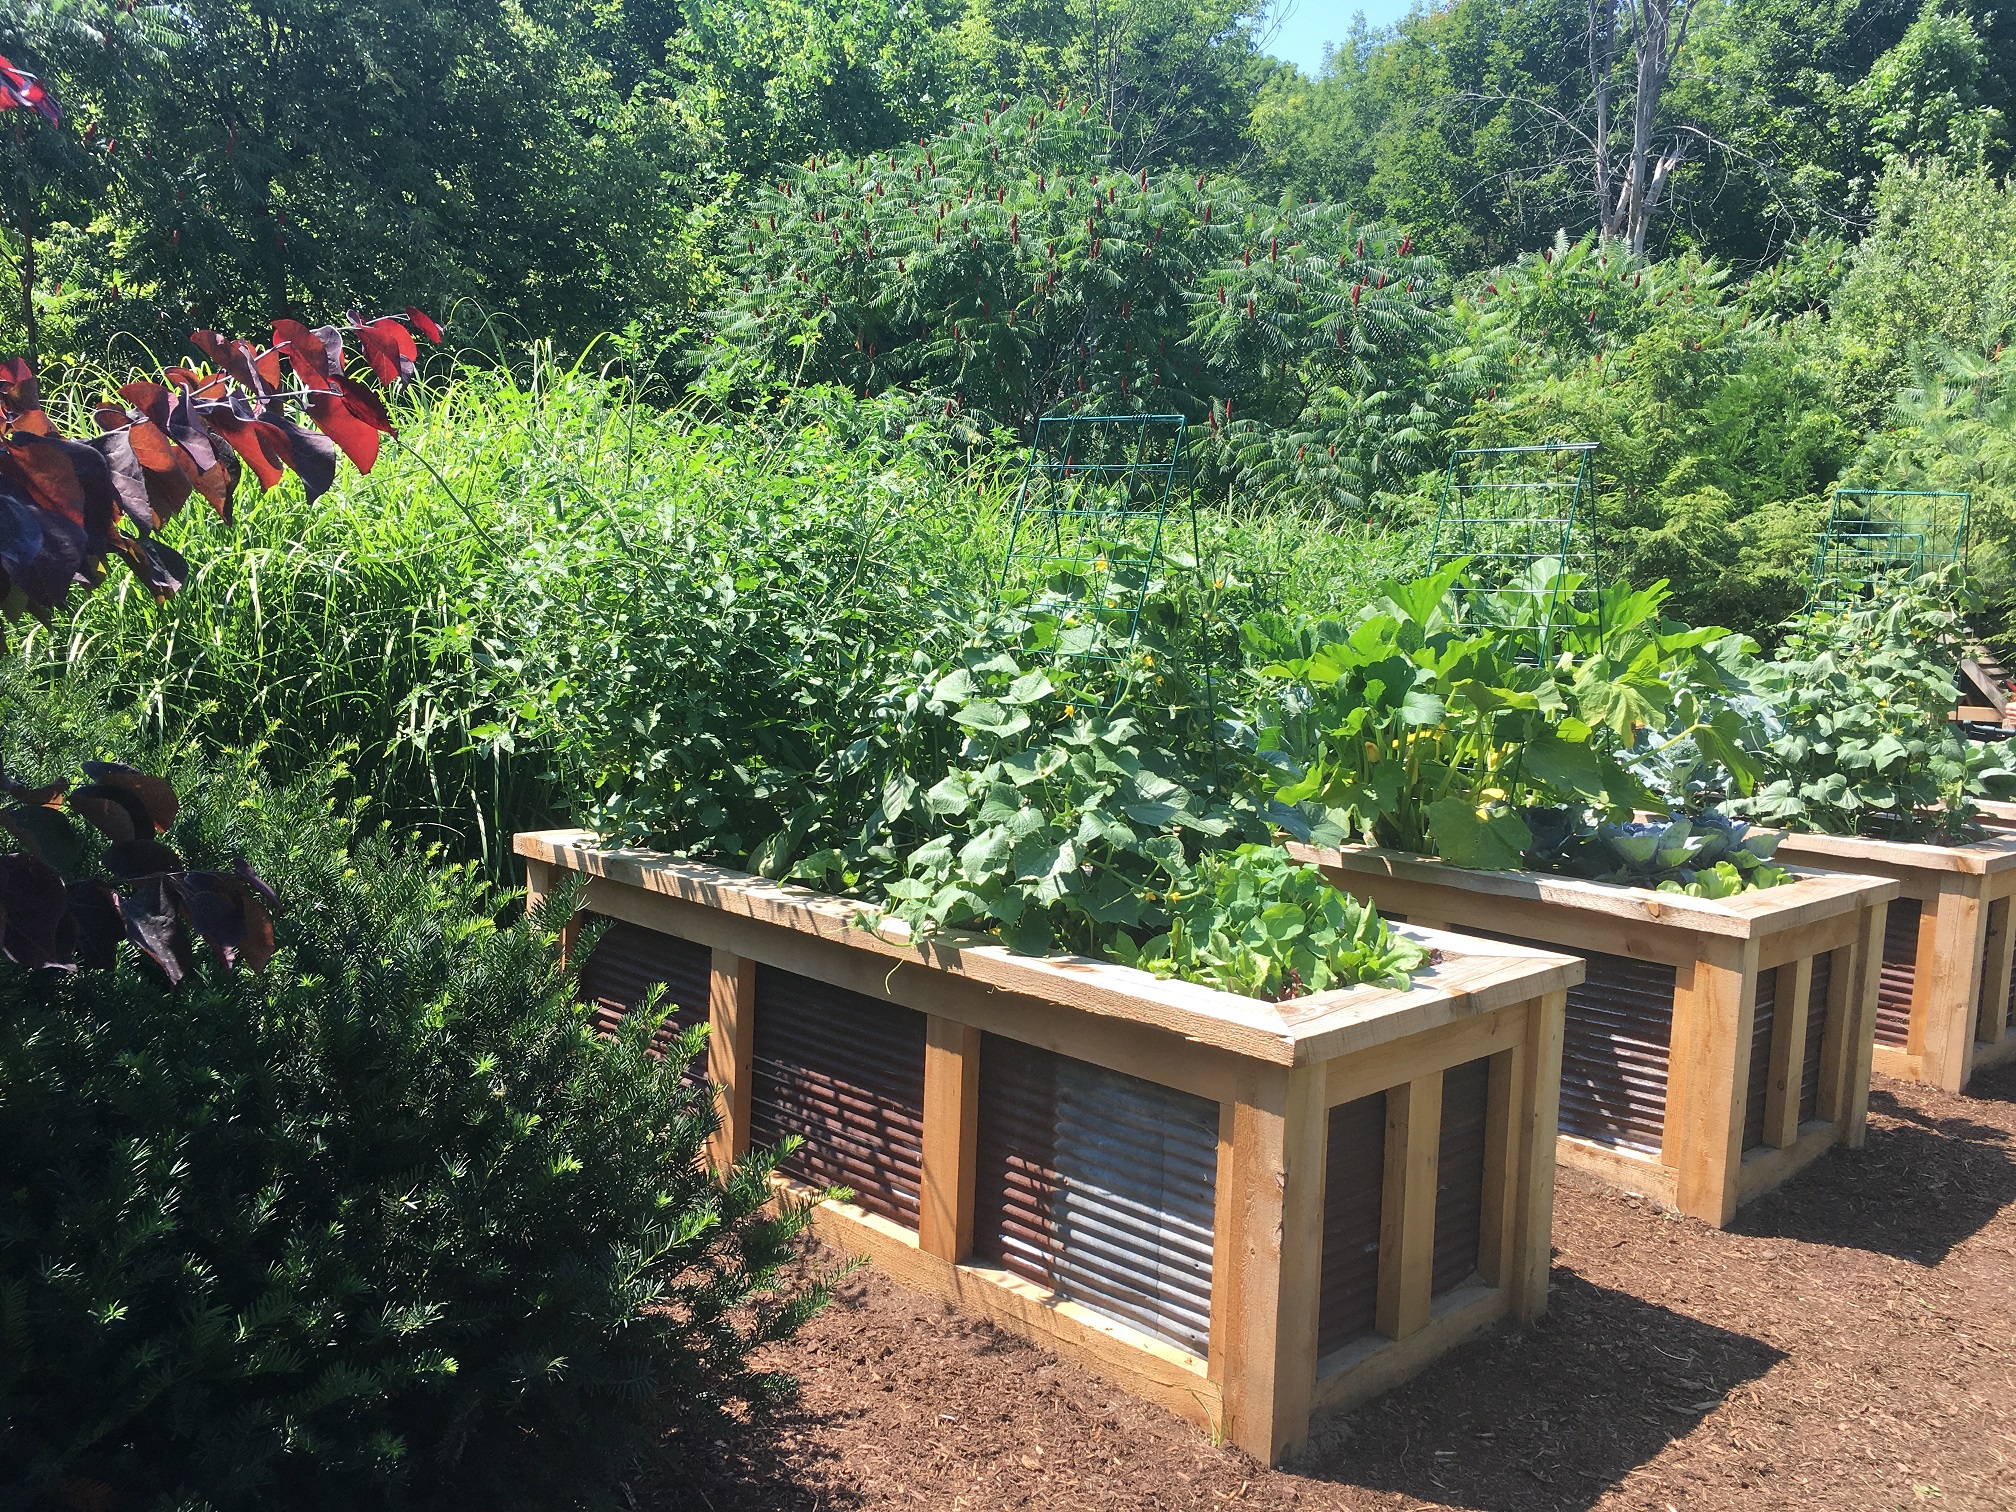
x=1616, y=1048
x=1759, y=1088
x=627, y=962
x=1900, y=972
x=1354, y=1187
x=1459, y=1179
x=1816, y=1036
x=845, y=1073
x=1100, y=1186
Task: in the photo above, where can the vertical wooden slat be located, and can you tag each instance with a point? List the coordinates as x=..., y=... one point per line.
x=1954, y=979
x=951, y=1137
x=1993, y=1021
x=1788, y=1053
x=1530, y=1255
x=1407, y=1225
x=1271, y=1294
x=1712, y=1029
x=1504, y=1105
x=1851, y=1028
x=731, y=1045
x=539, y=880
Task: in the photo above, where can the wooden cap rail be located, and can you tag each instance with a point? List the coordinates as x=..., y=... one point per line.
x=1717, y=1046
x=1334, y=1113
x=1945, y=988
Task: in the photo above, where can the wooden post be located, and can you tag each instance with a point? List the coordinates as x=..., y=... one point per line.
x=1530, y=1258
x=1712, y=1029
x=1505, y=1112
x=1954, y=978
x=1788, y=1053
x=951, y=1137
x=1280, y=1126
x=1407, y=1209
x=731, y=1046
x=539, y=887
x=1994, y=1017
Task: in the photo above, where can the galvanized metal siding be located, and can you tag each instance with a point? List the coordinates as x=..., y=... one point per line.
x=1816, y=1036
x=1900, y=972
x=845, y=1073
x=1354, y=1187
x=1617, y=1047
x=1100, y=1186
x=627, y=962
x=1616, y=1052
x=1459, y=1181
x=1760, y=1058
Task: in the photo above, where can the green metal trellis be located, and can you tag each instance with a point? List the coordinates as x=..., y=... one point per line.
x=1090, y=529
x=1512, y=510
x=1874, y=534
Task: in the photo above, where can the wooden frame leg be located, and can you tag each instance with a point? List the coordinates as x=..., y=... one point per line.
x=1712, y=1029
x=1407, y=1210
x=1531, y=1234
x=731, y=1046
x=1266, y=1347
x=1788, y=1053
x=951, y=1137
x=1949, y=992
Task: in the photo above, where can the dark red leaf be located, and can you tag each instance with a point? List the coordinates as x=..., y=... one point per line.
x=257, y=948
x=129, y=482
x=150, y=399
x=263, y=447
x=36, y=909
x=424, y=324
x=48, y=836
x=340, y=422
x=155, y=927
x=214, y=904
x=32, y=797
x=313, y=456
x=162, y=568
x=40, y=551
x=111, y=417
x=69, y=478
x=115, y=812
x=251, y=878
x=306, y=354
x=140, y=858
x=154, y=793
x=101, y=924
x=18, y=389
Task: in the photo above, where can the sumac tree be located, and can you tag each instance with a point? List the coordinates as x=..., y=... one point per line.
x=1006, y=270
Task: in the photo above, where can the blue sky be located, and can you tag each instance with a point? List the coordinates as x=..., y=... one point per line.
x=1307, y=24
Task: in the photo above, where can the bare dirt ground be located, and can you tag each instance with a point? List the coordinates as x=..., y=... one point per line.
x=1851, y=1344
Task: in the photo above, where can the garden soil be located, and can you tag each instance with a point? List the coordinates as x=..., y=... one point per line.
x=1851, y=1343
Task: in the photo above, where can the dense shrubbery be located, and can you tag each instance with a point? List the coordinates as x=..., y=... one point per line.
x=385, y=1224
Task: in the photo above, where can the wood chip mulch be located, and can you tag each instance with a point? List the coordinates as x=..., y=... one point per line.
x=1850, y=1344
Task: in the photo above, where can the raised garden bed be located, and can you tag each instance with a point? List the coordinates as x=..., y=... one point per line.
x=1249, y=1212
x=1715, y=1047
x=1943, y=1003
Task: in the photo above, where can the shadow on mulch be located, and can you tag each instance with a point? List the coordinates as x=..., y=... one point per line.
x=776, y=1464
x=1928, y=1179
x=1543, y=1419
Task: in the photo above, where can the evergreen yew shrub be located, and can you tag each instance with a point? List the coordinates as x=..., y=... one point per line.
x=385, y=1225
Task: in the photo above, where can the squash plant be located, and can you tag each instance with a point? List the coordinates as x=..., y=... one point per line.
x=1431, y=723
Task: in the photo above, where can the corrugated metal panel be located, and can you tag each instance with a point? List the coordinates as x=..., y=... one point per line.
x=1100, y=1186
x=1759, y=1088
x=1459, y=1180
x=1616, y=1052
x=1900, y=972
x=1816, y=1036
x=845, y=1073
x=627, y=962
x=1354, y=1188
x=1617, y=1048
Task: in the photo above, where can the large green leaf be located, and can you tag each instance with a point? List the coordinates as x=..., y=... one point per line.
x=1491, y=839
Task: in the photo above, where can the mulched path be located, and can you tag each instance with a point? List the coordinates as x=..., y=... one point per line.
x=1851, y=1344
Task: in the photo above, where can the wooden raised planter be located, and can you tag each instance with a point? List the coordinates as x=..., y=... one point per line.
x=1248, y=1212
x=1716, y=1046
x=1943, y=1004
